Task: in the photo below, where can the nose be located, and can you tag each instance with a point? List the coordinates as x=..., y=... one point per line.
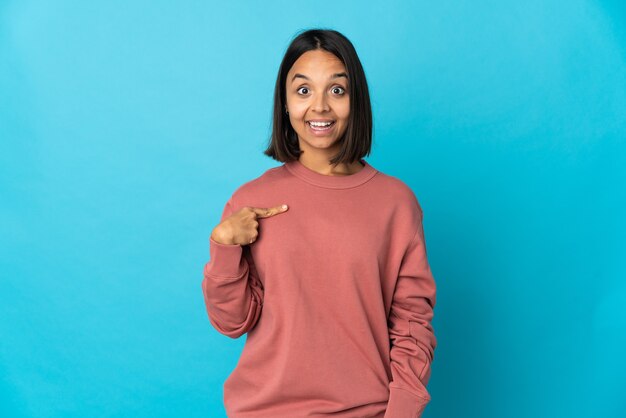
x=320, y=104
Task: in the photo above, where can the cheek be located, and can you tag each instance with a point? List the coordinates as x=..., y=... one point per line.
x=343, y=111
x=296, y=110
x=296, y=117
x=344, y=117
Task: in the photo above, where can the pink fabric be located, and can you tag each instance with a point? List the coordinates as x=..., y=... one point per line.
x=336, y=297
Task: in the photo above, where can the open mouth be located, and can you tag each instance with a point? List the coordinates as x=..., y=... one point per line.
x=321, y=126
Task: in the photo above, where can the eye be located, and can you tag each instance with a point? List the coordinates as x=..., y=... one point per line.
x=341, y=92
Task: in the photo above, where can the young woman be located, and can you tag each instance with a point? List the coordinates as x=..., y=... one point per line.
x=322, y=260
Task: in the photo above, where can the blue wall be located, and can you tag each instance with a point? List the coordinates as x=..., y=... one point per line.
x=125, y=126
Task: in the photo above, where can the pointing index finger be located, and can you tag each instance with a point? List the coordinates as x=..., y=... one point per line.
x=267, y=212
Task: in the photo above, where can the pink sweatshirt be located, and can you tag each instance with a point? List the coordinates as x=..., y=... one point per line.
x=336, y=297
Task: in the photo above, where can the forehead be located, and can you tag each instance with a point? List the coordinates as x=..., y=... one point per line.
x=317, y=63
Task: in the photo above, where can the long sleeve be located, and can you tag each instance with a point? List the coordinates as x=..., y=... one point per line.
x=412, y=336
x=233, y=293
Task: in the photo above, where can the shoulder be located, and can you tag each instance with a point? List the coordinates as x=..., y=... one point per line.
x=402, y=205
x=399, y=192
x=258, y=185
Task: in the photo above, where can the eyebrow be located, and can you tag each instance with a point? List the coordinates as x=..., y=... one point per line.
x=333, y=76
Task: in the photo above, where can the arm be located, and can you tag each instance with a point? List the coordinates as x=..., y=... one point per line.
x=412, y=336
x=233, y=294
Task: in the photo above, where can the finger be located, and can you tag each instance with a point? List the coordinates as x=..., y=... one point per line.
x=267, y=212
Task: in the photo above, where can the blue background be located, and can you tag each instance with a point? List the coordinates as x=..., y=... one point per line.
x=125, y=126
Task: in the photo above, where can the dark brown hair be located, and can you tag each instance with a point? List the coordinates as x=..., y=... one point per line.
x=356, y=142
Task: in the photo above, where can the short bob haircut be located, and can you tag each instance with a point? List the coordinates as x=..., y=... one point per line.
x=357, y=140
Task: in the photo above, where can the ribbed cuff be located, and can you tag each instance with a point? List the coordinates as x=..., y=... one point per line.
x=226, y=260
x=403, y=404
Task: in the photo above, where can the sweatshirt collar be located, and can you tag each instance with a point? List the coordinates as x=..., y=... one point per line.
x=298, y=169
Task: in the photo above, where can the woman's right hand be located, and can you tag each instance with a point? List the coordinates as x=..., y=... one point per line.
x=241, y=227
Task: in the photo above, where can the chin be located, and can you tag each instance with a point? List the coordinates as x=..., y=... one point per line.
x=318, y=143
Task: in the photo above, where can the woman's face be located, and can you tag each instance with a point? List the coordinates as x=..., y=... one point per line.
x=317, y=90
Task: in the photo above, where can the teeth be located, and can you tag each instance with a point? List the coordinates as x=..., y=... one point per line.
x=320, y=124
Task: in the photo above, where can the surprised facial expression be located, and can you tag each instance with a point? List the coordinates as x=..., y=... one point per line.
x=317, y=99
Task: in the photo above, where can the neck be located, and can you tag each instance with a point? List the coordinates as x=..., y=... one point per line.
x=320, y=164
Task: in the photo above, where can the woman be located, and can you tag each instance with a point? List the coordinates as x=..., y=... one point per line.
x=322, y=260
